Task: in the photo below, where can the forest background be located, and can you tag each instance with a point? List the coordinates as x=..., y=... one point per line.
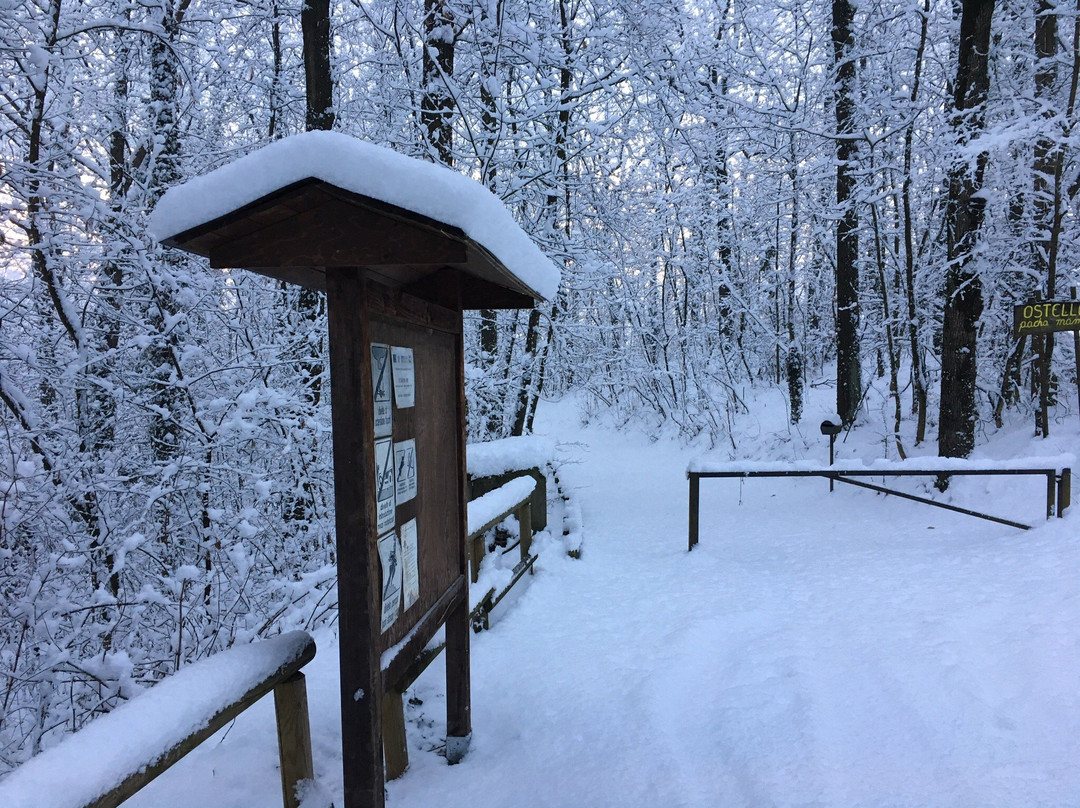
x=740, y=194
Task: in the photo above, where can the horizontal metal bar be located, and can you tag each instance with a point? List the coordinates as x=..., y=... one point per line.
x=935, y=503
x=840, y=475
x=837, y=473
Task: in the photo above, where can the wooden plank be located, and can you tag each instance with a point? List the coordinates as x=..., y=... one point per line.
x=308, y=277
x=483, y=265
x=419, y=665
x=359, y=607
x=480, y=616
x=395, y=745
x=495, y=520
x=442, y=287
x=294, y=737
x=481, y=294
x=422, y=633
x=272, y=209
x=340, y=235
x=401, y=307
x=524, y=566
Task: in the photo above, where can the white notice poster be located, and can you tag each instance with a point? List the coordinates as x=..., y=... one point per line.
x=380, y=388
x=405, y=470
x=410, y=570
x=385, y=499
x=404, y=376
x=390, y=556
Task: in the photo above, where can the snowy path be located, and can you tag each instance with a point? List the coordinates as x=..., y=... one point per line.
x=816, y=649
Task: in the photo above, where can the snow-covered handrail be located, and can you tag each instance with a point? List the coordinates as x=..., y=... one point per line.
x=114, y=756
x=494, y=457
x=402, y=664
x=514, y=497
x=494, y=506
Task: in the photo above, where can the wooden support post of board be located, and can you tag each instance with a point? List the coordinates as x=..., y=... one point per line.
x=458, y=684
x=524, y=517
x=294, y=737
x=695, y=494
x=395, y=748
x=358, y=558
x=1051, y=491
x=1064, y=499
x=458, y=699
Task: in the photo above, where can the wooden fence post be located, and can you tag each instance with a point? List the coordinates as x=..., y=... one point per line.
x=477, y=548
x=524, y=517
x=294, y=736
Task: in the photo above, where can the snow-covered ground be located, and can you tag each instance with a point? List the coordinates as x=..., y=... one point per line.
x=842, y=649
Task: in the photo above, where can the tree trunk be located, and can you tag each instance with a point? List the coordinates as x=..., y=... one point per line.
x=919, y=382
x=1046, y=196
x=489, y=117
x=277, y=89
x=437, y=104
x=964, y=216
x=794, y=363
x=315, y=22
x=848, y=368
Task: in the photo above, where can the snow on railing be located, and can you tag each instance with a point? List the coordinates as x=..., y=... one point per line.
x=494, y=506
x=113, y=756
x=511, y=498
x=496, y=457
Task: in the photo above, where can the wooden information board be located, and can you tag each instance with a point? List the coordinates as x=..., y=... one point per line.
x=380, y=636
x=396, y=283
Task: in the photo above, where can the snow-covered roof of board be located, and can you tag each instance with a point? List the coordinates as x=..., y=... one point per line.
x=323, y=199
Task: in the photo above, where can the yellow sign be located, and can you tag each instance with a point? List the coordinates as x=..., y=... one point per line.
x=1046, y=316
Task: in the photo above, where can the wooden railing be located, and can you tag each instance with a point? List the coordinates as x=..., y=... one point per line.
x=512, y=498
x=114, y=756
x=485, y=512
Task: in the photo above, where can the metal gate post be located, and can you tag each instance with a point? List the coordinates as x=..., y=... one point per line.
x=695, y=493
x=1064, y=499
